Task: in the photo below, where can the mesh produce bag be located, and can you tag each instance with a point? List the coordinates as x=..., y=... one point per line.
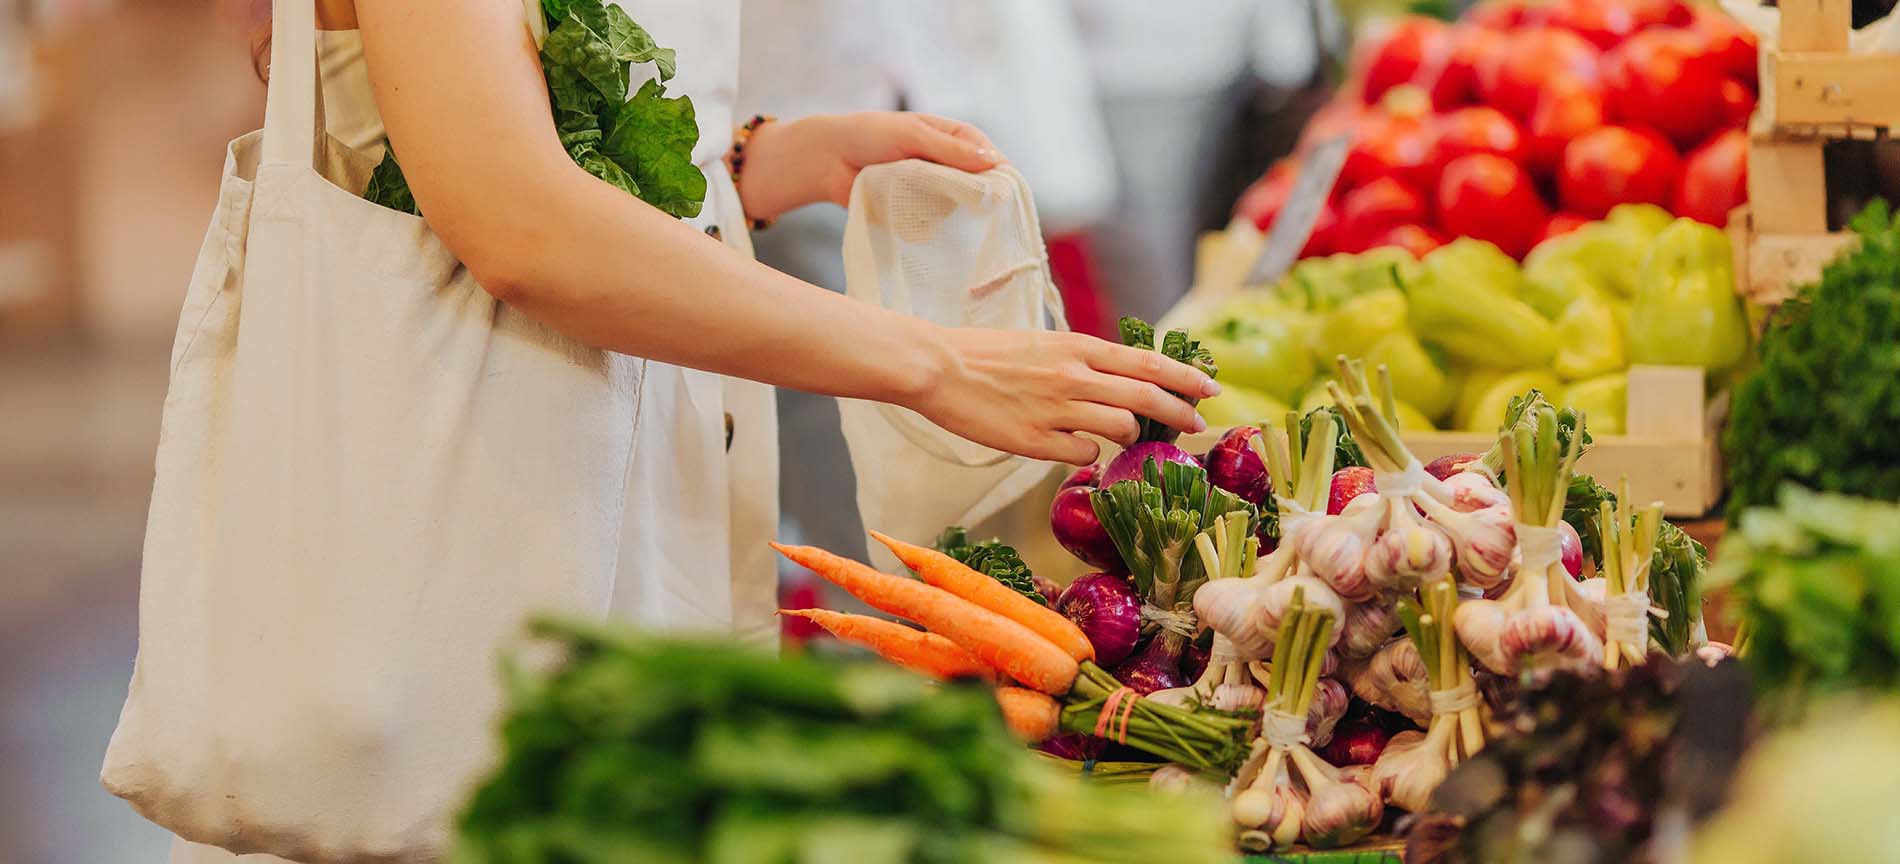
x=961, y=250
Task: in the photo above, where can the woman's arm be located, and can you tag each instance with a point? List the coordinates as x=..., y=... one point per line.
x=461, y=92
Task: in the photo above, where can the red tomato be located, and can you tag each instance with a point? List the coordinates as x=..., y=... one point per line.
x=1416, y=239
x=1489, y=197
x=1367, y=211
x=1475, y=129
x=1666, y=79
x=1563, y=112
x=1615, y=165
x=1458, y=83
x=1738, y=103
x=1560, y=223
x=1262, y=200
x=1504, y=15
x=1714, y=178
x=1732, y=44
x=1414, y=43
x=1384, y=145
x=1603, y=22
x=1532, y=59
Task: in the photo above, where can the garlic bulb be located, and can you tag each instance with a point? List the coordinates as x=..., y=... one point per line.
x=1340, y=813
x=1468, y=491
x=1330, y=702
x=1396, y=679
x=1175, y=779
x=1413, y=765
x=1552, y=635
x=1367, y=626
x=1279, y=595
x=1482, y=540
x=1480, y=627
x=1232, y=607
x=1336, y=552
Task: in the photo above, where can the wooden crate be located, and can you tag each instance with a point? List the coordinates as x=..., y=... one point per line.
x=1813, y=92
x=1670, y=450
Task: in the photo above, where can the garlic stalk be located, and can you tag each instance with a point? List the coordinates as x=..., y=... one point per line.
x=1227, y=550
x=1629, y=545
x=1267, y=792
x=1462, y=522
x=1542, y=629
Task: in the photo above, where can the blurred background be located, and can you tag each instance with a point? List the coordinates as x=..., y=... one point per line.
x=1136, y=123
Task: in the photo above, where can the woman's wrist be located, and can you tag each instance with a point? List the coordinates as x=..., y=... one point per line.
x=784, y=168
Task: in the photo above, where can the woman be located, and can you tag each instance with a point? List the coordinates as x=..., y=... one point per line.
x=338, y=728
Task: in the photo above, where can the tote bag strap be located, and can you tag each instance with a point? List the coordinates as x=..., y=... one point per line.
x=293, y=96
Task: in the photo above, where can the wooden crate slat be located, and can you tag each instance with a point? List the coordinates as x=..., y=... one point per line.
x=1780, y=263
x=1815, y=25
x=1787, y=186
x=1835, y=88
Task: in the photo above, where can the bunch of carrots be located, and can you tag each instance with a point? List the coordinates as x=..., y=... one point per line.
x=974, y=626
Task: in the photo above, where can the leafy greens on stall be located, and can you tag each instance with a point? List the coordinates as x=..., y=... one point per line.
x=1822, y=406
x=638, y=140
x=991, y=558
x=637, y=749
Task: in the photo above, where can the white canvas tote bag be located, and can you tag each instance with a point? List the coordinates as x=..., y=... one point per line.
x=962, y=250
x=369, y=474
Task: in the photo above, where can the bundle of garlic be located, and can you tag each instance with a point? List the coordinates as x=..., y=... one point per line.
x=1629, y=545
x=1248, y=612
x=1413, y=764
x=1285, y=792
x=1227, y=550
x=1466, y=520
x=1543, y=620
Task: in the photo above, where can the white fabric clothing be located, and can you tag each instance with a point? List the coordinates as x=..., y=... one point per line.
x=691, y=552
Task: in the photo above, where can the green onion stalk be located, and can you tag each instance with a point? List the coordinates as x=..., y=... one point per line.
x=1098, y=704
x=1629, y=546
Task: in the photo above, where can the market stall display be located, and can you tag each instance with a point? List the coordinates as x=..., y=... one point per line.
x=1522, y=120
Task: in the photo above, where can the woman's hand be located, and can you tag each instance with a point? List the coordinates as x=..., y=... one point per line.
x=791, y=164
x=1030, y=391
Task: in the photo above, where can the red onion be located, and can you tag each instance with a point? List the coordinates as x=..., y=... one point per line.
x=1233, y=464
x=1193, y=661
x=1073, y=521
x=1445, y=466
x=1128, y=464
x=1047, y=587
x=1083, y=476
x=1108, y=610
x=1572, y=548
x=1348, y=483
x=1156, y=667
x=1355, y=743
x=1074, y=745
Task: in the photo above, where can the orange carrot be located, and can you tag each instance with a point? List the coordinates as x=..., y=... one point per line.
x=957, y=578
x=1005, y=645
x=1033, y=716
x=905, y=646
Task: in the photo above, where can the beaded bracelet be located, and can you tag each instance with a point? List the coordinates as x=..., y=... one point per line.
x=735, y=158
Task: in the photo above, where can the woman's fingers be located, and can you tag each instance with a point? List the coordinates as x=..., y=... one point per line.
x=1139, y=397
x=1150, y=366
x=1067, y=447
x=949, y=142
x=1116, y=424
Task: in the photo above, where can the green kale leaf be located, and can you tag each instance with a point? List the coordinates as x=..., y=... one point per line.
x=1822, y=407
x=991, y=558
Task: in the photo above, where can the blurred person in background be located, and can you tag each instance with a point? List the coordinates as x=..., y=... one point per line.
x=1171, y=79
x=459, y=90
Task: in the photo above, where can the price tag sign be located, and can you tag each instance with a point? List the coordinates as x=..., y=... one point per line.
x=1319, y=170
